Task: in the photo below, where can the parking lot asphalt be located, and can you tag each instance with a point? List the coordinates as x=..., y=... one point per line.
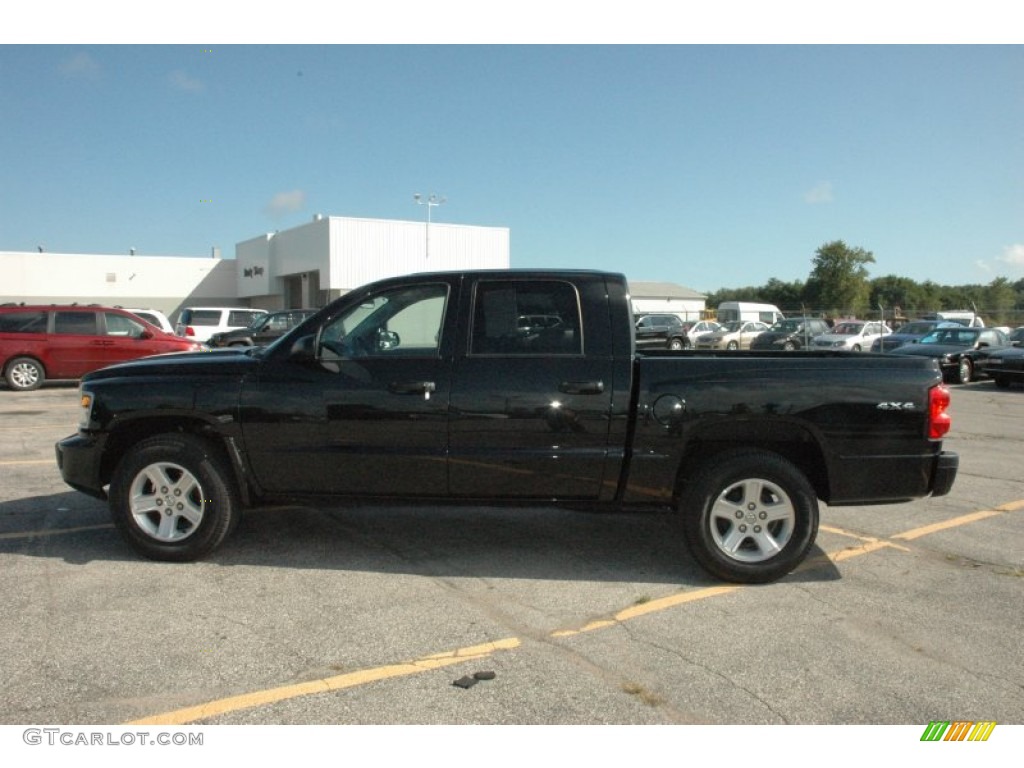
x=905, y=614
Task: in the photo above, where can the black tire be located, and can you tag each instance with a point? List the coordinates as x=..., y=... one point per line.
x=732, y=345
x=25, y=374
x=856, y=348
x=676, y=344
x=789, y=346
x=173, y=499
x=964, y=371
x=749, y=516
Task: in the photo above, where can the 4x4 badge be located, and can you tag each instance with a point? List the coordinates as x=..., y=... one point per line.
x=896, y=407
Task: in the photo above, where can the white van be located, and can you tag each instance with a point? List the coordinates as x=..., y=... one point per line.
x=961, y=316
x=731, y=311
x=200, y=323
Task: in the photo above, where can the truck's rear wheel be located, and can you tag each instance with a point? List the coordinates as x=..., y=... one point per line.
x=749, y=516
x=172, y=498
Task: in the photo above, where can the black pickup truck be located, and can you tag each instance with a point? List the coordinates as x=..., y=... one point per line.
x=438, y=388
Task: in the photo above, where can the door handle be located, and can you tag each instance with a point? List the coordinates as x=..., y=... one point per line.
x=581, y=387
x=424, y=388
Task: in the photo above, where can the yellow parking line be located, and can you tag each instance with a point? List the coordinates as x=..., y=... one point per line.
x=439, y=660
x=650, y=606
x=325, y=685
x=924, y=530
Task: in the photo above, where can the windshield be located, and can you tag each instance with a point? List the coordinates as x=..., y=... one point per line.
x=732, y=327
x=957, y=337
x=259, y=322
x=847, y=329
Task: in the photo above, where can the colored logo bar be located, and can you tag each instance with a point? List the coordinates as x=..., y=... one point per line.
x=958, y=730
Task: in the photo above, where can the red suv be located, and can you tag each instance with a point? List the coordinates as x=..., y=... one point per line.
x=65, y=342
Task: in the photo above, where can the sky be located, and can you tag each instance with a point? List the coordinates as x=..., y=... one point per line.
x=707, y=165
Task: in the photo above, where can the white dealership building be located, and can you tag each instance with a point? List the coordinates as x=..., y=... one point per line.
x=305, y=266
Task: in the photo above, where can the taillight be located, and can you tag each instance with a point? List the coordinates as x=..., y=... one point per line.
x=939, y=420
x=190, y=331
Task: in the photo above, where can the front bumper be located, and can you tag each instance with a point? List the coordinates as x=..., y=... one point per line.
x=79, y=458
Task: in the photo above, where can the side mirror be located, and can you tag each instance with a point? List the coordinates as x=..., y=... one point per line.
x=303, y=349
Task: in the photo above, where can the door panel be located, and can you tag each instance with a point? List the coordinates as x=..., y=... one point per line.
x=529, y=414
x=367, y=415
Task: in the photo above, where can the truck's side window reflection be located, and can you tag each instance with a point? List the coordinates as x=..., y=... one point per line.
x=535, y=317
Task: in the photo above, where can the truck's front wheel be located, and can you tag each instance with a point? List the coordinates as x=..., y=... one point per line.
x=749, y=516
x=173, y=499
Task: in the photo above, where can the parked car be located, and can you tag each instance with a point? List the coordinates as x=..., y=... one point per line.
x=791, y=334
x=264, y=329
x=200, y=323
x=851, y=335
x=1004, y=366
x=910, y=332
x=66, y=342
x=660, y=331
x=733, y=335
x=697, y=328
x=153, y=317
x=957, y=349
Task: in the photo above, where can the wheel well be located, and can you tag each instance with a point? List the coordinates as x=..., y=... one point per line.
x=122, y=440
x=798, y=447
x=15, y=358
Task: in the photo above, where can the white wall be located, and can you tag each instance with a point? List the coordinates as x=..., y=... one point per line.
x=687, y=309
x=363, y=250
x=159, y=282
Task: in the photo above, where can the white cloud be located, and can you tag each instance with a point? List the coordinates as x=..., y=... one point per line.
x=184, y=82
x=1013, y=256
x=286, y=202
x=819, y=193
x=81, y=65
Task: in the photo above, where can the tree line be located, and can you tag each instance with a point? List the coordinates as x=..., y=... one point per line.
x=839, y=286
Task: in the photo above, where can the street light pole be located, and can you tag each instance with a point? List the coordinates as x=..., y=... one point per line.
x=432, y=201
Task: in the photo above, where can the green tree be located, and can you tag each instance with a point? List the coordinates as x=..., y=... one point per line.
x=892, y=291
x=788, y=297
x=839, y=278
x=1000, y=298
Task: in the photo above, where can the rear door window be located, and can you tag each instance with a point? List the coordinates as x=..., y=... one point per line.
x=204, y=317
x=500, y=303
x=23, y=322
x=75, y=323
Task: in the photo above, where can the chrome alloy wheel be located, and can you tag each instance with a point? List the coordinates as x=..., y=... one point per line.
x=752, y=520
x=166, y=501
